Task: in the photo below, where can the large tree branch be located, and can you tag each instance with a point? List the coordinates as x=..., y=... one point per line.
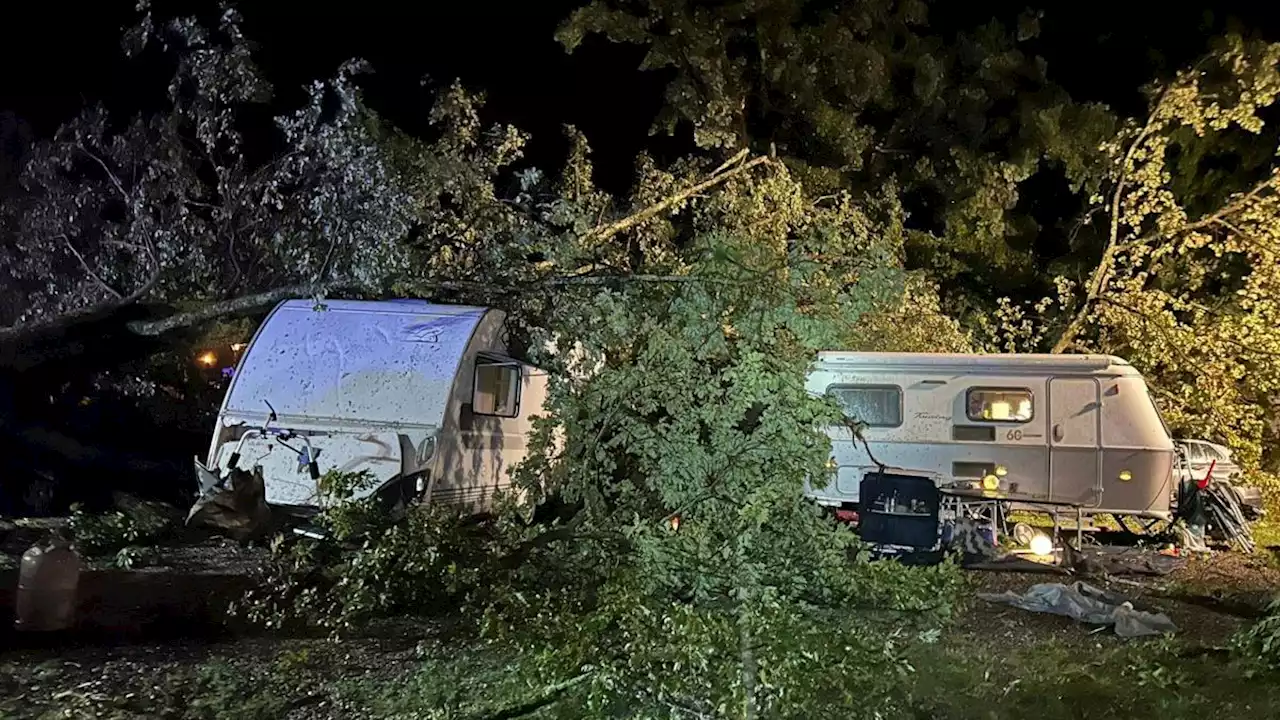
x=50, y=327
x=233, y=306
x=721, y=175
x=550, y=695
x=259, y=301
x=1218, y=218
x=1102, y=273
x=111, y=175
x=84, y=265
x=1240, y=203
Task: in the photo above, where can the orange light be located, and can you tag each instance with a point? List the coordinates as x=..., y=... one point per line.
x=208, y=359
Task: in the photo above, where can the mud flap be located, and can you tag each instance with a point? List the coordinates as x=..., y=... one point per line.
x=234, y=506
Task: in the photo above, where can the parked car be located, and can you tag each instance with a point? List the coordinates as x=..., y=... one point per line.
x=1197, y=458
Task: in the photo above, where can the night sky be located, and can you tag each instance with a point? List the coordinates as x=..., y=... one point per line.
x=55, y=59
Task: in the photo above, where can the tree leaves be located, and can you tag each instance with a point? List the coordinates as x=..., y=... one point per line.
x=864, y=95
x=690, y=445
x=171, y=206
x=1188, y=279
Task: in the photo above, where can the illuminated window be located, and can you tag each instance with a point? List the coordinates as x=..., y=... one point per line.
x=497, y=388
x=1000, y=405
x=872, y=405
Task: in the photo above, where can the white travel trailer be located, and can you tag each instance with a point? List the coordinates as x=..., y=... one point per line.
x=424, y=397
x=1068, y=430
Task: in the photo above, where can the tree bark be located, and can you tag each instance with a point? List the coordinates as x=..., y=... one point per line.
x=1102, y=273
x=720, y=175
x=235, y=306
x=748, y=668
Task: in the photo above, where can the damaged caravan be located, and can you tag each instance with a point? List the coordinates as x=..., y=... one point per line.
x=424, y=397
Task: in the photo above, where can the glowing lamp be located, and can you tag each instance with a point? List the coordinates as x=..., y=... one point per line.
x=990, y=482
x=207, y=358
x=1001, y=471
x=675, y=523
x=1125, y=476
x=1041, y=544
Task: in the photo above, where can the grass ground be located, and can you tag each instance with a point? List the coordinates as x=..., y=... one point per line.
x=990, y=662
x=1000, y=662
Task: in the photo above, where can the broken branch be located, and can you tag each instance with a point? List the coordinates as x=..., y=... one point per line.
x=234, y=306
x=549, y=696
x=719, y=176
x=1102, y=273
x=111, y=176
x=84, y=265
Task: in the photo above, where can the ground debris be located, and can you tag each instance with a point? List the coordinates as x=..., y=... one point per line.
x=1086, y=603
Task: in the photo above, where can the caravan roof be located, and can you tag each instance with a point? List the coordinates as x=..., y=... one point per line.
x=1020, y=363
x=391, y=361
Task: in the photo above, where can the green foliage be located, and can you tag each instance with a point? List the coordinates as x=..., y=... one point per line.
x=859, y=95
x=114, y=533
x=373, y=564
x=684, y=398
x=685, y=430
x=1259, y=644
x=168, y=207
x=1189, y=276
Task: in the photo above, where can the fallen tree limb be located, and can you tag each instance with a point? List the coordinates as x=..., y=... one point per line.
x=234, y=306
x=720, y=175
x=549, y=696
x=19, y=344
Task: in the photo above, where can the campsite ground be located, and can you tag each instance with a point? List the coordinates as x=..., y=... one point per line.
x=990, y=661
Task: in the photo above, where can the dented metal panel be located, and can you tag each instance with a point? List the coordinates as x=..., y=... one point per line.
x=286, y=479
x=368, y=363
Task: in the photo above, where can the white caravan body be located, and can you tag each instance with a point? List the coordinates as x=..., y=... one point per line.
x=422, y=396
x=1072, y=429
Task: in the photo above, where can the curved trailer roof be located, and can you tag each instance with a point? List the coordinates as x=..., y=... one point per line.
x=378, y=362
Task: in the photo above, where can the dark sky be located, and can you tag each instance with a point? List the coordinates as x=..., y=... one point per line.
x=55, y=57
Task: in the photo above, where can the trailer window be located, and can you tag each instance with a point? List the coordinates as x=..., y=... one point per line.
x=497, y=388
x=872, y=405
x=1000, y=404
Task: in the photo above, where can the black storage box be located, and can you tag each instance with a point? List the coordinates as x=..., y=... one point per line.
x=899, y=510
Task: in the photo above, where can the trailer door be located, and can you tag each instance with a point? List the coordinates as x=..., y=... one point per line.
x=1075, y=452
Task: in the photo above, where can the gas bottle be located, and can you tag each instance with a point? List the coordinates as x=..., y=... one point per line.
x=47, y=583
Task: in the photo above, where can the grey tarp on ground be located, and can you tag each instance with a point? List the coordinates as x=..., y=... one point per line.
x=1086, y=603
